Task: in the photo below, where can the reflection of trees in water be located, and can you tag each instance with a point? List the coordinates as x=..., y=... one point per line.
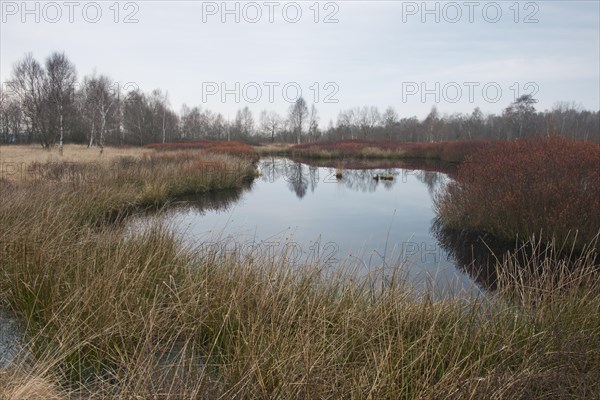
x=297, y=179
x=273, y=169
x=411, y=164
x=299, y=176
x=358, y=180
x=270, y=170
x=302, y=176
x=474, y=253
x=313, y=175
x=432, y=179
x=363, y=179
x=219, y=200
x=480, y=255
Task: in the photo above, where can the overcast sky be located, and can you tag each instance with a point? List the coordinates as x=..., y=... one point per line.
x=409, y=55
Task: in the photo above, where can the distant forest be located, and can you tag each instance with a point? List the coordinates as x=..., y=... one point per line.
x=44, y=103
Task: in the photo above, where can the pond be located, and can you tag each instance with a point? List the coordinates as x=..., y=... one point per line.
x=373, y=217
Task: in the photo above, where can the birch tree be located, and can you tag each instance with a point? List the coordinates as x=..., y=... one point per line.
x=101, y=103
x=313, y=123
x=298, y=117
x=61, y=79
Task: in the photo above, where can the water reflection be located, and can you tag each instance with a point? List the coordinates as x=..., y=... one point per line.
x=473, y=253
x=214, y=201
x=298, y=179
x=449, y=169
x=11, y=338
x=360, y=177
x=480, y=254
x=432, y=179
x=335, y=221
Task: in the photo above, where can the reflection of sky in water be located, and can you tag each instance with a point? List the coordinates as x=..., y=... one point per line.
x=9, y=338
x=307, y=210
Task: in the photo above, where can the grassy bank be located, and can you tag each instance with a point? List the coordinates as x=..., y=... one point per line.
x=366, y=149
x=516, y=190
x=112, y=314
x=233, y=148
x=28, y=154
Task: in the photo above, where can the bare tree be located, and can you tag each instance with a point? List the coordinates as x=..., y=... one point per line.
x=313, y=123
x=61, y=78
x=38, y=104
x=389, y=120
x=344, y=120
x=269, y=123
x=10, y=117
x=164, y=119
x=191, y=122
x=4, y=127
x=475, y=123
x=100, y=102
x=160, y=104
x=355, y=121
x=218, y=126
x=431, y=123
x=298, y=116
x=520, y=114
x=247, y=121
x=136, y=114
x=29, y=85
x=368, y=119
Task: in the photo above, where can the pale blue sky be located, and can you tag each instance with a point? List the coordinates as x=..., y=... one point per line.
x=375, y=54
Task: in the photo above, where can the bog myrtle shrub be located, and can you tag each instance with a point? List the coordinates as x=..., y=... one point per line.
x=517, y=189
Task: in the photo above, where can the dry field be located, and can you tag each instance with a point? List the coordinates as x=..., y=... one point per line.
x=72, y=153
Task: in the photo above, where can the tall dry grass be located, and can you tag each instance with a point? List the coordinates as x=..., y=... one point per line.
x=230, y=148
x=454, y=152
x=142, y=318
x=273, y=149
x=114, y=314
x=27, y=154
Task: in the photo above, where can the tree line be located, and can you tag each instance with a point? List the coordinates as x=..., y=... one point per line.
x=45, y=103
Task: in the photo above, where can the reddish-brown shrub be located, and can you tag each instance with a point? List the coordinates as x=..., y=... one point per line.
x=523, y=188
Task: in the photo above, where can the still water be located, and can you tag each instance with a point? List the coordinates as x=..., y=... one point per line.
x=314, y=216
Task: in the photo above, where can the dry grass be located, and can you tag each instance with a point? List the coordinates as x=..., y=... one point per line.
x=26, y=162
x=32, y=387
x=72, y=153
x=143, y=318
x=273, y=149
x=233, y=148
x=113, y=314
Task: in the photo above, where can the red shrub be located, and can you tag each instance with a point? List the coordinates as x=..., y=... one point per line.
x=232, y=148
x=460, y=150
x=528, y=187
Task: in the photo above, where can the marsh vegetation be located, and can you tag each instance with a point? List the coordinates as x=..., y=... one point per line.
x=107, y=312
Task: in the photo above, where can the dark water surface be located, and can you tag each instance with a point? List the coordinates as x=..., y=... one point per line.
x=10, y=338
x=311, y=215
